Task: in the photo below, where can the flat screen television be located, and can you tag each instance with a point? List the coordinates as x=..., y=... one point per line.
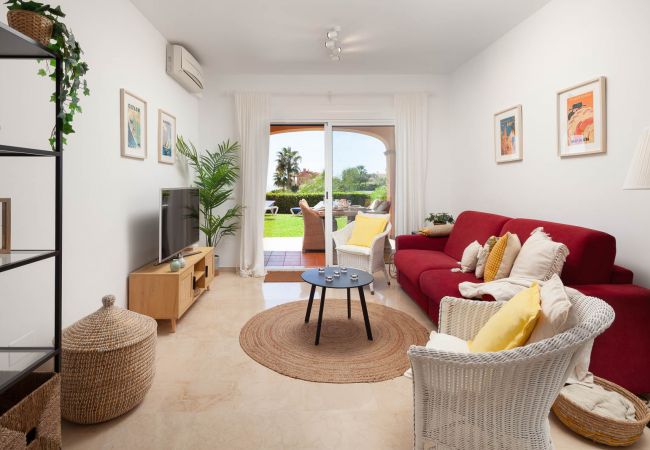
x=179, y=221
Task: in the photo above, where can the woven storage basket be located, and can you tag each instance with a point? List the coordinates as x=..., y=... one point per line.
x=30, y=414
x=602, y=429
x=108, y=363
x=32, y=24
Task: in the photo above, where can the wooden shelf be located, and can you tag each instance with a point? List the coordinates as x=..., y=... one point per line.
x=198, y=274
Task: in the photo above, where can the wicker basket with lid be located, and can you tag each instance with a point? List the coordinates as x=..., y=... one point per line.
x=108, y=363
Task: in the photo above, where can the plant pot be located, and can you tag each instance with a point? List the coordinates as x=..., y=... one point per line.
x=216, y=264
x=31, y=24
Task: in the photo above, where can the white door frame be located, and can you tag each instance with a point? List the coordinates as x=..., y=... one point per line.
x=328, y=125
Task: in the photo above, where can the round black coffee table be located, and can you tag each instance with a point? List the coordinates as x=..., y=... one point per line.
x=313, y=277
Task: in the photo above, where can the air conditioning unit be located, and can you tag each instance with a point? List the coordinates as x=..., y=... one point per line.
x=182, y=67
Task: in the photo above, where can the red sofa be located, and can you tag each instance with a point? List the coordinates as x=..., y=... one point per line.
x=621, y=354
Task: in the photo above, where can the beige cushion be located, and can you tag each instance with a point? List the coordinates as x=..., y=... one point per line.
x=470, y=257
x=556, y=308
x=356, y=249
x=444, y=342
x=483, y=254
x=437, y=230
x=539, y=257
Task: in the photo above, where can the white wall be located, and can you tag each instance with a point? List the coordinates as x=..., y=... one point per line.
x=304, y=97
x=110, y=202
x=565, y=43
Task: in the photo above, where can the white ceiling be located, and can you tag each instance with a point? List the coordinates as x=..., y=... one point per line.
x=378, y=36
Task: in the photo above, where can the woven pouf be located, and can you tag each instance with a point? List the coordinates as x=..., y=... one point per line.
x=108, y=363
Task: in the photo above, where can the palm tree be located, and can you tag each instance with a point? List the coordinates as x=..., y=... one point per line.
x=286, y=168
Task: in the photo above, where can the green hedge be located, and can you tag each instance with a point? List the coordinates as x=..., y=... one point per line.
x=287, y=200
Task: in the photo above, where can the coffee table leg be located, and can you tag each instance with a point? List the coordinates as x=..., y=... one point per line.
x=365, y=313
x=349, y=306
x=311, y=301
x=320, y=314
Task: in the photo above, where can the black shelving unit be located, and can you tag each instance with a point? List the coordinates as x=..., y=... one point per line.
x=14, y=45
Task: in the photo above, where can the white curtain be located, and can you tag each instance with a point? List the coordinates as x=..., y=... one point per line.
x=411, y=148
x=253, y=120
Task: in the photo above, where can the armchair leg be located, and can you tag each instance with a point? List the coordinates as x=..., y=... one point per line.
x=386, y=274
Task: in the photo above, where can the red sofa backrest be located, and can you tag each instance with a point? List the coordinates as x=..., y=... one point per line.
x=592, y=252
x=471, y=226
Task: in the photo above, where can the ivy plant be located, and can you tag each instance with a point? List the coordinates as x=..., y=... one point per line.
x=64, y=45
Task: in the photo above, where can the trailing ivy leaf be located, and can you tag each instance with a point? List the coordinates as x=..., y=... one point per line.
x=42, y=72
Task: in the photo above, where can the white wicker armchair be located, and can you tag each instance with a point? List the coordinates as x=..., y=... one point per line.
x=495, y=400
x=369, y=259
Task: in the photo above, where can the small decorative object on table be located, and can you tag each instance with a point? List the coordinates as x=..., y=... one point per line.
x=599, y=428
x=108, y=363
x=442, y=223
x=175, y=265
x=5, y=225
x=181, y=260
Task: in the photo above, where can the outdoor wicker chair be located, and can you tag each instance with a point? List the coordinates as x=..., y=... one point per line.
x=370, y=259
x=497, y=400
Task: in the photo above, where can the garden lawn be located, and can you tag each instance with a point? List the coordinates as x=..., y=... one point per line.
x=287, y=225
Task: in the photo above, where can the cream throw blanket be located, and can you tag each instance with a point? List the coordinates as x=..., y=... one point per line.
x=503, y=289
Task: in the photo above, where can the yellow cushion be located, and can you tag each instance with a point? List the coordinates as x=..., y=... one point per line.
x=502, y=257
x=512, y=325
x=365, y=229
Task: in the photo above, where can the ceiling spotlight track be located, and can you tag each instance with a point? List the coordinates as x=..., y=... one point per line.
x=333, y=44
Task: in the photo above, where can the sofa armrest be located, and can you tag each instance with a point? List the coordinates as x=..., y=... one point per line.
x=419, y=242
x=621, y=275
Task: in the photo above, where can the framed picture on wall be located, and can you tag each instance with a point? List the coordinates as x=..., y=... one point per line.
x=133, y=125
x=508, y=135
x=581, y=119
x=166, y=137
x=5, y=225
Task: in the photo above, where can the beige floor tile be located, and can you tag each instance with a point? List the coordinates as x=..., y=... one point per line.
x=208, y=394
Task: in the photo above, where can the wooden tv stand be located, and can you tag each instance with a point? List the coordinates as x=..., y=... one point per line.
x=156, y=291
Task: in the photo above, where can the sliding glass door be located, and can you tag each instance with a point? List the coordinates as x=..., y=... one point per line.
x=320, y=176
x=360, y=167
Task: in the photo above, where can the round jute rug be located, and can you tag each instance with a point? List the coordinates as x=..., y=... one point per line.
x=279, y=339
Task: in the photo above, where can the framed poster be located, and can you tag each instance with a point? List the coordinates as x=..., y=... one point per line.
x=166, y=137
x=581, y=119
x=508, y=135
x=5, y=225
x=133, y=125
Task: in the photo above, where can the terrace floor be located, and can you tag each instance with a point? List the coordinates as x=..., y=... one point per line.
x=287, y=252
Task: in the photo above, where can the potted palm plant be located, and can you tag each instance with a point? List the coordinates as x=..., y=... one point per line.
x=215, y=174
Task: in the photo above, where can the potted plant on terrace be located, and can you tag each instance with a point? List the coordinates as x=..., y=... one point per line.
x=41, y=22
x=215, y=175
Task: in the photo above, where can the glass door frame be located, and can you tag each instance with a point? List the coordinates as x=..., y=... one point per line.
x=329, y=175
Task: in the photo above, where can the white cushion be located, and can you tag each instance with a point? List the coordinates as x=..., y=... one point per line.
x=540, y=257
x=556, y=307
x=557, y=317
x=470, y=257
x=355, y=249
x=444, y=342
